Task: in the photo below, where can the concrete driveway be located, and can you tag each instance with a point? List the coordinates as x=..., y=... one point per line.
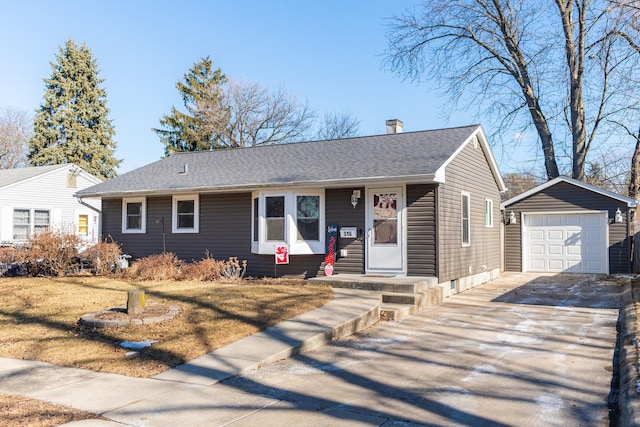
x=525, y=349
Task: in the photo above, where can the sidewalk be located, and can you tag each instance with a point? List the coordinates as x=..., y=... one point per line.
x=184, y=396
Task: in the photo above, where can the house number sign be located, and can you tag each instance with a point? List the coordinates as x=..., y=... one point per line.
x=348, y=232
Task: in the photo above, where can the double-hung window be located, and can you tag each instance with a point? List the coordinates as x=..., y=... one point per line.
x=488, y=213
x=21, y=224
x=27, y=222
x=83, y=225
x=134, y=215
x=465, y=210
x=294, y=217
x=186, y=214
x=40, y=221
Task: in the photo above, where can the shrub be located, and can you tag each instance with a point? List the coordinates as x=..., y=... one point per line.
x=207, y=269
x=103, y=257
x=233, y=270
x=51, y=252
x=164, y=266
x=10, y=254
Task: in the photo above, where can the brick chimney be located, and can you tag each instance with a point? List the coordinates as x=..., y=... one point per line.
x=394, y=126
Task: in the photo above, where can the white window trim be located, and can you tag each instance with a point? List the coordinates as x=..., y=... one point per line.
x=296, y=246
x=196, y=214
x=464, y=194
x=488, y=213
x=143, y=214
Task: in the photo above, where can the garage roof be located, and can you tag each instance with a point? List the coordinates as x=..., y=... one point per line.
x=629, y=201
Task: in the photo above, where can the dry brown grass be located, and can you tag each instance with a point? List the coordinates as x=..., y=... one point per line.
x=19, y=411
x=38, y=319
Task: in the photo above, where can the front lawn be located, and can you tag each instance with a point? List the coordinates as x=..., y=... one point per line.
x=38, y=319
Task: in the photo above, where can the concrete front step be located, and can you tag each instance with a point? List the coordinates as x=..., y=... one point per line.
x=415, y=300
x=404, y=285
x=397, y=306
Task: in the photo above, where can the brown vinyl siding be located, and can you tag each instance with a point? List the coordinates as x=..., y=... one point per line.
x=468, y=172
x=421, y=230
x=225, y=231
x=565, y=197
x=340, y=211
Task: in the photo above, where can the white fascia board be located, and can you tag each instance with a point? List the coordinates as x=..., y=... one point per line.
x=484, y=144
x=629, y=201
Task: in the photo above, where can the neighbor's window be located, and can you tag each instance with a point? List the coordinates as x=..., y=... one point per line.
x=294, y=217
x=465, y=210
x=274, y=213
x=40, y=221
x=186, y=214
x=488, y=213
x=21, y=224
x=134, y=215
x=308, y=217
x=83, y=225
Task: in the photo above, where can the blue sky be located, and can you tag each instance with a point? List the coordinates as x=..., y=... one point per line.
x=327, y=53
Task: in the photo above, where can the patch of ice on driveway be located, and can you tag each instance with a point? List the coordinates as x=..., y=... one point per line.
x=479, y=371
x=375, y=343
x=525, y=336
x=550, y=409
x=136, y=345
x=498, y=348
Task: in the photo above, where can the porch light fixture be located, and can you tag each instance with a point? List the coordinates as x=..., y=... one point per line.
x=354, y=198
x=512, y=218
x=618, y=217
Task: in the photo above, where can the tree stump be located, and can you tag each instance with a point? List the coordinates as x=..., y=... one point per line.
x=135, y=302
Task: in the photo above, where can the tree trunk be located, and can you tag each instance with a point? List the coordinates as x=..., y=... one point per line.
x=135, y=302
x=634, y=181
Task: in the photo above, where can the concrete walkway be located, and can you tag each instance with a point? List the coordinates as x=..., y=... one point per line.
x=181, y=396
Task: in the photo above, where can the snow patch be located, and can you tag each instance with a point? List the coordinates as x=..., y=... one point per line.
x=136, y=345
x=479, y=371
x=550, y=407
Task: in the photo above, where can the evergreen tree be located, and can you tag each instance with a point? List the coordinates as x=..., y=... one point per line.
x=196, y=130
x=72, y=125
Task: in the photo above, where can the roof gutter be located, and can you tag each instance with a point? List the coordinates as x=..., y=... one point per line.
x=330, y=183
x=83, y=203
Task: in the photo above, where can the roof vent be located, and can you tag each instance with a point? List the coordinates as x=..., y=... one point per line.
x=394, y=126
x=185, y=169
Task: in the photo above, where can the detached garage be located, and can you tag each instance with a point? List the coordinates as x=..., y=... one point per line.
x=566, y=225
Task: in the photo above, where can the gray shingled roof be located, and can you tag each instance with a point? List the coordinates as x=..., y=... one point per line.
x=391, y=156
x=11, y=176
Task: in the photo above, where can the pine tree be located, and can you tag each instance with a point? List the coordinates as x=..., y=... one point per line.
x=72, y=125
x=199, y=128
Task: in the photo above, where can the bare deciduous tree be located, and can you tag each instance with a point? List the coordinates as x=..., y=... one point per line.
x=258, y=116
x=517, y=183
x=338, y=125
x=16, y=128
x=545, y=64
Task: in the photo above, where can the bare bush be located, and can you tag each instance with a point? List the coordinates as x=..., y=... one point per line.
x=207, y=269
x=103, y=257
x=165, y=266
x=51, y=253
x=10, y=254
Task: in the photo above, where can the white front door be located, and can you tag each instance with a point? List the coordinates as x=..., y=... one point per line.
x=385, y=230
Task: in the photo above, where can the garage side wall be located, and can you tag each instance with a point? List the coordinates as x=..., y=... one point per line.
x=565, y=197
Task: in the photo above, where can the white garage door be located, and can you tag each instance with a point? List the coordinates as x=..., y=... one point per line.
x=574, y=243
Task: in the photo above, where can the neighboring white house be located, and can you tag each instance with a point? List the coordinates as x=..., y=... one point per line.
x=33, y=199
